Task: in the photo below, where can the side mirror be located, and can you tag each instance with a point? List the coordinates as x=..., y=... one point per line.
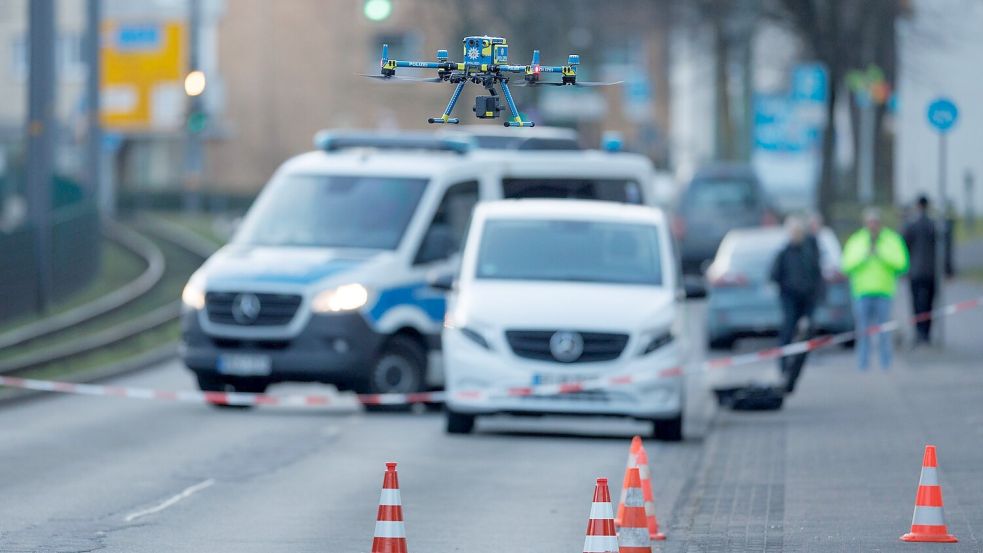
x=441, y=281
x=439, y=243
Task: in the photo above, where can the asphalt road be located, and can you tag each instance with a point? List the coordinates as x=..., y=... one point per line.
x=836, y=470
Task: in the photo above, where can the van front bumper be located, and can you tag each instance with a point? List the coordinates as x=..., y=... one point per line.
x=469, y=367
x=333, y=349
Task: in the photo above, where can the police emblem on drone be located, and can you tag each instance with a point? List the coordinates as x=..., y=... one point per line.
x=487, y=65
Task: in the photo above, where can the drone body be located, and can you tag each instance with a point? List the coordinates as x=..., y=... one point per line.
x=485, y=64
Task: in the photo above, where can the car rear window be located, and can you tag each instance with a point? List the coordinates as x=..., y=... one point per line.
x=716, y=196
x=625, y=191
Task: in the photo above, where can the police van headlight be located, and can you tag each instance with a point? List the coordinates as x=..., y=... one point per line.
x=348, y=297
x=193, y=295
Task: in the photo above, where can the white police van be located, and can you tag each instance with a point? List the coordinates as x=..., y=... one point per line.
x=326, y=279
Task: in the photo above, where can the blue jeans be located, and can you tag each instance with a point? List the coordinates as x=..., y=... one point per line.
x=869, y=311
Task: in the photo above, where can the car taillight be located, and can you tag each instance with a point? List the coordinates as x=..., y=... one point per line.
x=728, y=280
x=678, y=227
x=768, y=219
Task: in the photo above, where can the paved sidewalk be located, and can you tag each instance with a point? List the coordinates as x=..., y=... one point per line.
x=837, y=469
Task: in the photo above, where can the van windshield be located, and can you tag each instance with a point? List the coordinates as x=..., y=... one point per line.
x=611, y=190
x=573, y=251
x=332, y=211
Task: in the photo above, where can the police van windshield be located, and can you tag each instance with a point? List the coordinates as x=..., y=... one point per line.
x=575, y=251
x=332, y=211
x=611, y=190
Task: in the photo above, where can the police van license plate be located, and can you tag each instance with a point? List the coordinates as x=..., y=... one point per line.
x=245, y=364
x=565, y=378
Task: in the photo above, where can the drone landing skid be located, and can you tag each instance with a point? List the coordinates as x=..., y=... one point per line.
x=443, y=119
x=446, y=118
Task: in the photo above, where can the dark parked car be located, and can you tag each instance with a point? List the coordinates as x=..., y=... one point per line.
x=743, y=302
x=719, y=198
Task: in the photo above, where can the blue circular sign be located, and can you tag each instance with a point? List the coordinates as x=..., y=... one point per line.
x=942, y=114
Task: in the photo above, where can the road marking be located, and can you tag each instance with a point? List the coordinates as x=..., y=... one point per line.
x=186, y=493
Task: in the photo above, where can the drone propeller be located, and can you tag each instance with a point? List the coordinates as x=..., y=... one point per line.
x=407, y=79
x=596, y=83
x=578, y=83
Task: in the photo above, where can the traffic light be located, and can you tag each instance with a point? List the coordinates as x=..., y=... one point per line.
x=197, y=122
x=377, y=10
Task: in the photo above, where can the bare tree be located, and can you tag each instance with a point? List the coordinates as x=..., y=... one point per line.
x=843, y=35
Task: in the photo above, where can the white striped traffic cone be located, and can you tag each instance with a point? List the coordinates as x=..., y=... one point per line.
x=634, y=533
x=636, y=445
x=646, y=477
x=390, y=534
x=601, y=535
x=928, y=522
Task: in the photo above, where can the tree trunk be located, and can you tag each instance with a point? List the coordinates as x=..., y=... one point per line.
x=721, y=57
x=826, y=194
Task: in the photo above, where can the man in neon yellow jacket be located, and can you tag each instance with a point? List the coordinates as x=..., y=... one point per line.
x=874, y=257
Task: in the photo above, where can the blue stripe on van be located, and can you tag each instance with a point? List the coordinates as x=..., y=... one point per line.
x=420, y=295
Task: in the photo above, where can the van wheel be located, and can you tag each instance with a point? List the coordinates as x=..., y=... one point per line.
x=398, y=369
x=668, y=430
x=459, y=423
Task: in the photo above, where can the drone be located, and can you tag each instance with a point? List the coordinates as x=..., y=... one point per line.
x=486, y=65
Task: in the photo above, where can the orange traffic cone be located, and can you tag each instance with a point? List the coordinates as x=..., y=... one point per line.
x=634, y=533
x=646, y=476
x=390, y=535
x=601, y=536
x=636, y=445
x=928, y=522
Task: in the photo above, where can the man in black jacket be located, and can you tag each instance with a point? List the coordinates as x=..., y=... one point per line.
x=798, y=275
x=920, y=237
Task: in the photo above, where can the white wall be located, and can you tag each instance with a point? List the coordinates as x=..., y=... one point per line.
x=940, y=52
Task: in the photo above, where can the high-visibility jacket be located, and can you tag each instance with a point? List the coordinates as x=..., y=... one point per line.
x=874, y=272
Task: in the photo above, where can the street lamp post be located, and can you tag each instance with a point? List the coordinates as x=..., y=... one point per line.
x=40, y=138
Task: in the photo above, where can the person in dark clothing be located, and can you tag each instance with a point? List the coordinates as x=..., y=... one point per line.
x=797, y=273
x=921, y=238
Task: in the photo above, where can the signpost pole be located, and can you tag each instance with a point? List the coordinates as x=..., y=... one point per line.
x=193, y=156
x=93, y=143
x=942, y=116
x=940, y=241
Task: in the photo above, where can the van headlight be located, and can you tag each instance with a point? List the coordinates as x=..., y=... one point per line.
x=657, y=341
x=347, y=297
x=193, y=295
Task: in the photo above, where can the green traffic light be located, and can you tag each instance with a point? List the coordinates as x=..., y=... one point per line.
x=197, y=122
x=377, y=10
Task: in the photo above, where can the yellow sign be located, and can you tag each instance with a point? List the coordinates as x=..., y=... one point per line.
x=143, y=69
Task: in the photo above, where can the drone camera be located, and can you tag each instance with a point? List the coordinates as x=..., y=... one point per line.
x=487, y=107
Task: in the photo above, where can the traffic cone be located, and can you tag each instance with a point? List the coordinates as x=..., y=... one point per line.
x=601, y=536
x=390, y=535
x=928, y=522
x=634, y=533
x=636, y=445
x=646, y=477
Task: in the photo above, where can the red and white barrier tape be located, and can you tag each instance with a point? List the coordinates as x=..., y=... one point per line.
x=246, y=399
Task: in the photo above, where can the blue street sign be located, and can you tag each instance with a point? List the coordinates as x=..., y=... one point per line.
x=942, y=114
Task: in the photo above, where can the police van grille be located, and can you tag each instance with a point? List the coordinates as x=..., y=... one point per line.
x=275, y=309
x=535, y=344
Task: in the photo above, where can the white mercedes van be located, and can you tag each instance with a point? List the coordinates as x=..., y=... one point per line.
x=552, y=292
